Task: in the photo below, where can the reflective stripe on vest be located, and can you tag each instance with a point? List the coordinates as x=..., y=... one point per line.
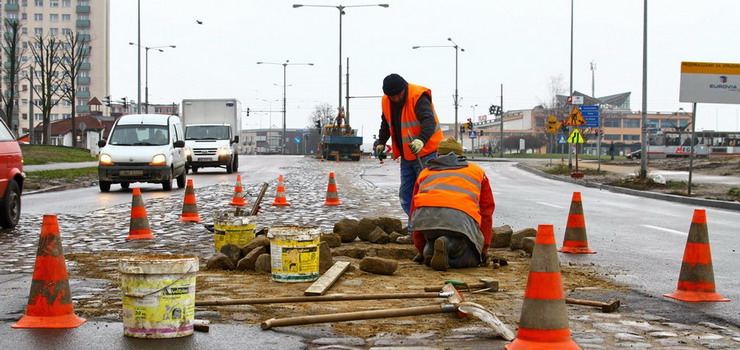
x=455, y=188
x=410, y=125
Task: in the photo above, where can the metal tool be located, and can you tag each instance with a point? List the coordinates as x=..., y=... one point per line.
x=257, y=202
x=489, y=284
x=330, y=297
x=421, y=166
x=607, y=307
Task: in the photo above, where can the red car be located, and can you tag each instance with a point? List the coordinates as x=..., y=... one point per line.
x=11, y=178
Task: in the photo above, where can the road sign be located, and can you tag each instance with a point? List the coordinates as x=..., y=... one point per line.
x=709, y=82
x=575, y=137
x=472, y=134
x=591, y=115
x=561, y=139
x=552, y=125
x=297, y=139
x=575, y=118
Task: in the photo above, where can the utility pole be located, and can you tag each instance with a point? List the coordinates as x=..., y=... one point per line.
x=30, y=105
x=501, y=120
x=644, y=152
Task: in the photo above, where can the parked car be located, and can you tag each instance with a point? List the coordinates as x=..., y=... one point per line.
x=11, y=178
x=143, y=148
x=634, y=155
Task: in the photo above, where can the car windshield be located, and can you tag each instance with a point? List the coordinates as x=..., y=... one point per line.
x=139, y=135
x=207, y=132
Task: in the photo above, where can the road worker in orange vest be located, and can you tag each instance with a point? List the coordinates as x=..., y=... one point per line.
x=410, y=121
x=452, y=211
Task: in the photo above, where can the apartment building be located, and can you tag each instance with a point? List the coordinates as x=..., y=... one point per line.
x=89, y=18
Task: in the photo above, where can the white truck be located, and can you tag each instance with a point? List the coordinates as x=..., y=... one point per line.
x=212, y=128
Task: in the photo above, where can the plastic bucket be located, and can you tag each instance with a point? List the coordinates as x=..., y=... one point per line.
x=158, y=295
x=230, y=228
x=294, y=251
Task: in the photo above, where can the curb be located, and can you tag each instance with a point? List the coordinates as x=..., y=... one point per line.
x=654, y=195
x=60, y=188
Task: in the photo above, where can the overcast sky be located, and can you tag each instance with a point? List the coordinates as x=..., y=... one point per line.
x=521, y=44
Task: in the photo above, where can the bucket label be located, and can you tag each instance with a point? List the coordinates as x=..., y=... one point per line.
x=295, y=260
x=239, y=235
x=158, y=303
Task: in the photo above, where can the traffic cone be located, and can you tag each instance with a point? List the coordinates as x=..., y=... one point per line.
x=543, y=323
x=280, y=195
x=332, y=198
x=50, y=300
x=189, y=206
x=139, y=226
x=575, y=241
x=696, y=281
x=238, y=199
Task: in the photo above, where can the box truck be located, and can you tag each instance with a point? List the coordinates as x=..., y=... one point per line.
x=212, y=128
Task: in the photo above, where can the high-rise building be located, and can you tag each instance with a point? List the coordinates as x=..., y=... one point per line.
x=90, y=19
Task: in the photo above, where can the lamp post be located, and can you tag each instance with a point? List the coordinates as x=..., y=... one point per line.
x=341, y=12
x=473, y=107
x=285, y=69
x=457, y=50
x=146, y=80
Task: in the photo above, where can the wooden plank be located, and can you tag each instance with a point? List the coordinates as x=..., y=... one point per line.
x=327, y=280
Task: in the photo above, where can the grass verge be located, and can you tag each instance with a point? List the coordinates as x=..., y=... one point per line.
x=562, y=169
x=36, y=180
x=43, y=154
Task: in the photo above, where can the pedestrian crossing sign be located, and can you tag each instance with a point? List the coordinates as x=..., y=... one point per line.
x=575, y=118
x=575, y=137
x=562, y=139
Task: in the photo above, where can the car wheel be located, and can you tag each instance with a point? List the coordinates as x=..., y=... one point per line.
x=236, y=162
x=10, y=209
x=182, y=179
x=230, y=167
x=167, y=185
x=104, y=185
x=125, y=185
x=195, y=169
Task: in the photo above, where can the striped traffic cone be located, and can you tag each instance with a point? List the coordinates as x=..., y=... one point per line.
x=575, y=241
x=189, y=206
x=543, y=323
x=332, y=198
x=139, y=226
x=50, y=300
x=280, y=195
x=238, y=199
x=696, y=281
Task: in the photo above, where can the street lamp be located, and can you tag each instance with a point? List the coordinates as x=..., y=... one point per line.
x=473, y=107
x=146, y=60
x=457, y=49
x=341, y=12
x=285, y=69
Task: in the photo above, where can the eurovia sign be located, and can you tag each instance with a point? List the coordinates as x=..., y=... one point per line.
x=707, y=82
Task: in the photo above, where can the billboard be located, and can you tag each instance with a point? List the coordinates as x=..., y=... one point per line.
x=707, y=82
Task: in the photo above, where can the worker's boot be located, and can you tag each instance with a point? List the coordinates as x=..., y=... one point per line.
x=428, y=251
x=439, y=258
x=451, y=251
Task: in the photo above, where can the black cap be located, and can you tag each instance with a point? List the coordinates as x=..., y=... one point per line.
x=394, y=84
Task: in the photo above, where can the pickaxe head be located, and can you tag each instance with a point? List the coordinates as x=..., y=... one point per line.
x=610, y=306
x=455, y=298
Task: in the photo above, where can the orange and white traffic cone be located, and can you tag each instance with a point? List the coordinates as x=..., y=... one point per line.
x=575, y=241
x=50, y=300
x=139, y=225
x=280, y=195
x=543, y=323
x=332, y=198
x=696, y=281
x=238, y=199
x=189, y=205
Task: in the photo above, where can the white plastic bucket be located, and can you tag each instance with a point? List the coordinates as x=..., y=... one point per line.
x=158, y=295
x=230, y=228
x=294, y=251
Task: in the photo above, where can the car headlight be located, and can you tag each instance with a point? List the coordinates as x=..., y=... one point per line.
x=105, y=159
x=159, y=159
x=188, y=152
x=224, y=150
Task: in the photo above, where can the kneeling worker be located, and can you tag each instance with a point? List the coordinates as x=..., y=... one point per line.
x=452, y=210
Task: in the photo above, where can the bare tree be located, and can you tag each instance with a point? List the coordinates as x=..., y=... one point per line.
x=556, y=88
x=46, y=51
x=323, y=113
x=76, y=50
x=12, y=53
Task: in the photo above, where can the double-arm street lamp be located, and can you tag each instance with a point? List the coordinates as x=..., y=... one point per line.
x=146, y=79
x=285, y=69
x=341, y=13
x=457, y=49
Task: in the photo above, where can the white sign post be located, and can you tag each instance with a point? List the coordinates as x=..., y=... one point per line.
x=707, y=82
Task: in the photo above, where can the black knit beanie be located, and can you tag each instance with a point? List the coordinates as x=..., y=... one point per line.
x=394, y=84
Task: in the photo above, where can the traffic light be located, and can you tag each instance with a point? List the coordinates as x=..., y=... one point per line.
x=494, y=110
x=125, y=102
x=106, y=100
x=247, y=111
x=480, y=132
x=318, y=124
x=470, y=124
x=462, y=127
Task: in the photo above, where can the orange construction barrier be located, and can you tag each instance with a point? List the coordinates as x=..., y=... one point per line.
x=543, y=323
x=139, y=226
x=189, y=206
x=332, y=198
x=50, y=300
x=238, y=199
x=280, y=195
x=696, y=281
x=575, y=241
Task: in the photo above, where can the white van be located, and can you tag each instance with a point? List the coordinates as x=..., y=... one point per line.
x=143, y=148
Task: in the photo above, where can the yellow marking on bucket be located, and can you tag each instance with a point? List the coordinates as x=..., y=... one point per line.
x=294, y=251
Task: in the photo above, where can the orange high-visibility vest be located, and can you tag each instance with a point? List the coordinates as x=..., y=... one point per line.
x=410, y=125
x=453, y=188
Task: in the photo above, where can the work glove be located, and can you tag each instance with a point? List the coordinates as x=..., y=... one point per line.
x=416, y=146
x=380, y=148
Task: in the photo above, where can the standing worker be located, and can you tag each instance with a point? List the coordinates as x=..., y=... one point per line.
x=452, y=211
x=340, y=116
x=410, y=121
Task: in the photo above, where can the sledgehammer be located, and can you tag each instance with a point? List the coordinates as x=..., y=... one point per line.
x=607, y=307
